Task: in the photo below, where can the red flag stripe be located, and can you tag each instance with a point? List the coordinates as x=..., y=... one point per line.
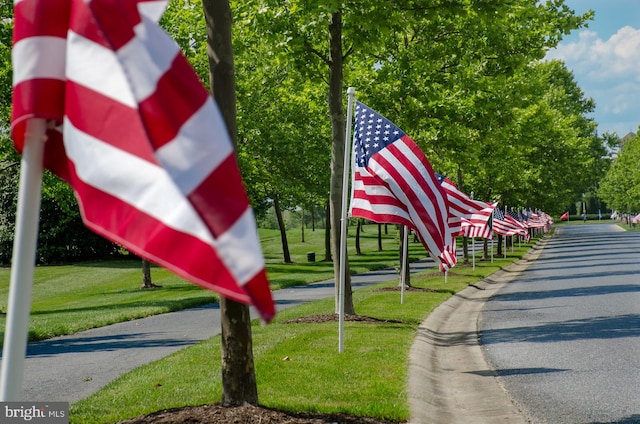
x=41, y=18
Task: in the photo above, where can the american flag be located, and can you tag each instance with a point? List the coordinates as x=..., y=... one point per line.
x=139, y=139
x=483, y=227
x=393, y=182
x=463, y=210
x=513, y=218
x=503, y=226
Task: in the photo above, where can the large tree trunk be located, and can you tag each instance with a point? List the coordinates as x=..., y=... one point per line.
x=283, y=231
x=336, y=112
x=238, y=374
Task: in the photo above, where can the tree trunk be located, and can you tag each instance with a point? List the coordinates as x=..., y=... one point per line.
x=358, y=229
x=283, y=231
x=379, y=237
x=485, y=250
x=238, y=374
x=146, y=276
x=336, y=113
x=465, y=250
x=327, y=232
x=499, y=252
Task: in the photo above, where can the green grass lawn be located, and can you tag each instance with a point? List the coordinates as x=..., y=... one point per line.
x=298, y=367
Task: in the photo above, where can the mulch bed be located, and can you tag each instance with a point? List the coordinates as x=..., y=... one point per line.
x=246, y=414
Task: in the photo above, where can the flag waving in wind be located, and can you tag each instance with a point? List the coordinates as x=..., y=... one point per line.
x=465, y=212
x=393, y=182
x=139, y=139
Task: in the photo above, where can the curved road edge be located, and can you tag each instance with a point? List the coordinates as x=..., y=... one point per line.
x=449, y=379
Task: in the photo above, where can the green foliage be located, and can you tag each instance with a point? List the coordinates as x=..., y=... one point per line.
x=62, y=236
x=620, y=187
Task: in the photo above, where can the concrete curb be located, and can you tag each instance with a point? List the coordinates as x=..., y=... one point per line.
x=450, y=380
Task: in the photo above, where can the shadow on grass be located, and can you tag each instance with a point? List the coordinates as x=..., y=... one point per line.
x=168, y=305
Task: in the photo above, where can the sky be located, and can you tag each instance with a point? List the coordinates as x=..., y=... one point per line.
x=605, y=61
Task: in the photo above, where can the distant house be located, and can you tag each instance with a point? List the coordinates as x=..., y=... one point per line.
x=623, y=140
x=627, y=137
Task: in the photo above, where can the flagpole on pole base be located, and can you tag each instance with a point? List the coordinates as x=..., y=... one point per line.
x=351, y=93
x=473, y=252
x=23, y=262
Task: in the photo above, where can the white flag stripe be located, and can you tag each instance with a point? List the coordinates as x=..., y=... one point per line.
x=108, y=79
x=239, y=248
x=137, y=182
x=153, y=47
x=39, y=57
x=189, y=162
x=153, y=10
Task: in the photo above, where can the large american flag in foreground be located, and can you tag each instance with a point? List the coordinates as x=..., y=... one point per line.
x=393, y=182
x=139, y=139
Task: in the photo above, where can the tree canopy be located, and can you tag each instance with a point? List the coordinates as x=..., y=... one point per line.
x=465, y=79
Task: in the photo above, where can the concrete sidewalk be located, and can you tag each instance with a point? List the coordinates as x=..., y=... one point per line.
x=450, y=382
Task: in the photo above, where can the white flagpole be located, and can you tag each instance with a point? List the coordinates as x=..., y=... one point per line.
x=404, y=262
x=23, y=262
x=351, y=93
x=505, y=237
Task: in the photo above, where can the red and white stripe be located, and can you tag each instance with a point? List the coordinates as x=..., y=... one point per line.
x=399, y=186
x=465, y=211
x=142, y=143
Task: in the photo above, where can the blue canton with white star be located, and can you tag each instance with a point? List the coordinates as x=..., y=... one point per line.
x=372, y=133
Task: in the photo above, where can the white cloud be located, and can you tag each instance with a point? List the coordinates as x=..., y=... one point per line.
x=609, y=72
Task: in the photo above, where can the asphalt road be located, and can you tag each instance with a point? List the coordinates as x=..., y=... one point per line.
x=564, y=336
